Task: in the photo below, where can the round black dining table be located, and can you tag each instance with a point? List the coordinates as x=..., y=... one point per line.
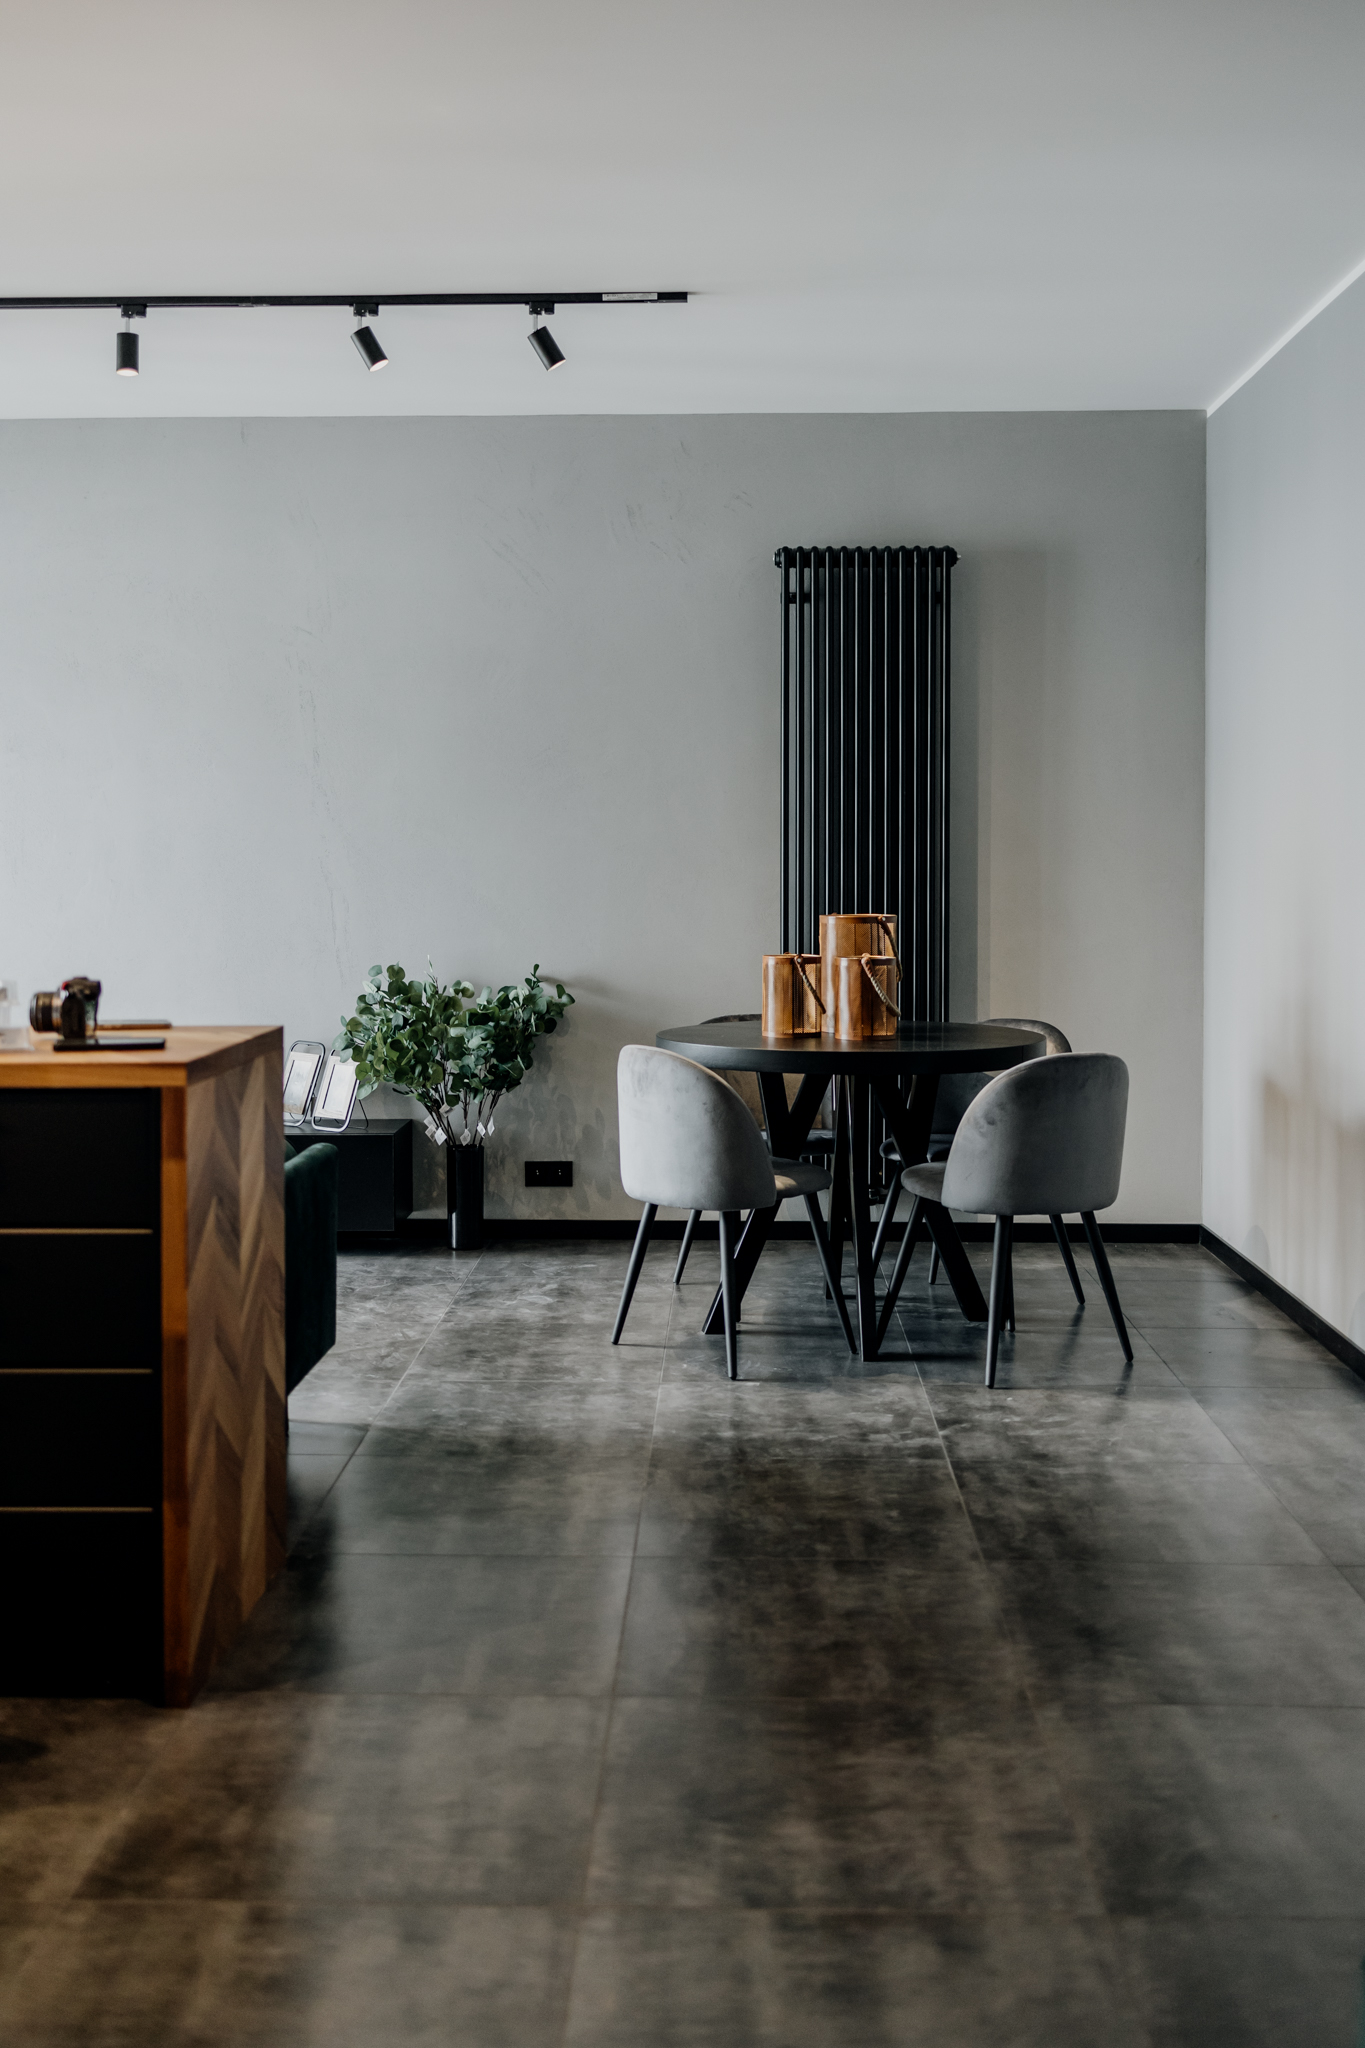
x=900, y=1074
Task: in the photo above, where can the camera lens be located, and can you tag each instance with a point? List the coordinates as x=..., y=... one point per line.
x=45, y=1010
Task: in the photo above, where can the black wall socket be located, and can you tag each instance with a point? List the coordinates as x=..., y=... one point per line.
x=549, y=1173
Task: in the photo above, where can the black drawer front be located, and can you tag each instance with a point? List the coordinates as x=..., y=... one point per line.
x=82, y=1605
x=86, y=1301
x=80, y=1156
x=80, y=1440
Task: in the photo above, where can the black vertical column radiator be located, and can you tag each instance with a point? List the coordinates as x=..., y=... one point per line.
x=865, y=729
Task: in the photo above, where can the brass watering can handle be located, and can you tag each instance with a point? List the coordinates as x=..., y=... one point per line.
x=885, y=924
x=882, y=996
x=810, y=984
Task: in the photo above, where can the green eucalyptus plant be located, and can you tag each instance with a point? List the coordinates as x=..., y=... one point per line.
x=456, y=1052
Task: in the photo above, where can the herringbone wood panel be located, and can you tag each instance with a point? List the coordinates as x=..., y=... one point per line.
x=225, y=1419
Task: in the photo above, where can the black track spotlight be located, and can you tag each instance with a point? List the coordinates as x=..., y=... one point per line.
x=541, y=339
x=125, y=344
x=366, y=340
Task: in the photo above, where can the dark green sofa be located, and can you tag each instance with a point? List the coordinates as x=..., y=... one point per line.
x=310, y=1258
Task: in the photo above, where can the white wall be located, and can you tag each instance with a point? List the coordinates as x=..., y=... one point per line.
x=284, y=698
x=1284, y=1172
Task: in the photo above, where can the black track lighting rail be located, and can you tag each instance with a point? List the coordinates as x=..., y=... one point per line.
x=365, y=306
x=538, y=302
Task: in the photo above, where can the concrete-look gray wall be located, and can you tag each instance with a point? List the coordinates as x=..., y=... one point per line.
x=1284, y=1160
x=285, y=698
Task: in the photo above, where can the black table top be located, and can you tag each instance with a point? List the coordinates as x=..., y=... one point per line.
x=916, y=1049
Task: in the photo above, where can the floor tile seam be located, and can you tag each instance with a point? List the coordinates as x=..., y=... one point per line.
x=1083, y=1714
x=1135, y=1567
x=1170, y=1916
x=955, y=1696
x=1292, y=1356
x=986, y=1915
x=1318, y=1521
x=871, y=1569
x=483, y=1556
x=571, y=1975
x=1139, y=1460
x=301, y=1897
x=326, y=1495
x=1244, y=1386
x=1242, y=1456
x=42, y=1916
x=1117, y=1703
x=1069, y=1797
x=407, y=1369
x=294, y=1691
x=1016, y=1655
x=1342, y=1571
x=120, y=1818
x=297, y=1694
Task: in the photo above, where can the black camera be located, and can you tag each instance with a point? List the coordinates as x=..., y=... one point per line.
x=70, y=1011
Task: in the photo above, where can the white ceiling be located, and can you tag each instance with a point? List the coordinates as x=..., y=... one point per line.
x=990, y=204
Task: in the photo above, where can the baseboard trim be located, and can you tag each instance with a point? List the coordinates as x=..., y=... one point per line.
x=614, y=1230
x=1288, y=1304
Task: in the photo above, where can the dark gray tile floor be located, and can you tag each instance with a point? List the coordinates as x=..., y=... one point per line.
x=605, y=1704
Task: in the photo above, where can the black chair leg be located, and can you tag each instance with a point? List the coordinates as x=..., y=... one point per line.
x=729, y=1234
x=1009, y=1291
x=1000, y=1283
x=832, y=1287
x=1064, y=1247
x=913, y=1228
x=689, y=1232
x=933, y=1265
x=637, y=1259
x=1111, y=1293
x=885, y=1220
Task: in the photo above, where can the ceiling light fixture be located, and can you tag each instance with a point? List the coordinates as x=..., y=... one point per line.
x=365, y=309
x=125, y=344
x=365, y=338
x=541, y=339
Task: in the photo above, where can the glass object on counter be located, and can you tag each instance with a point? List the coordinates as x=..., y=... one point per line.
x=302, y=1068
x=335, y=1099
x=13, y=1020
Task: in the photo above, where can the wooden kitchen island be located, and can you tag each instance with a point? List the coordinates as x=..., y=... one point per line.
x=142, y=1400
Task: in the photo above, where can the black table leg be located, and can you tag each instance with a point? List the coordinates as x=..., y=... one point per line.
x=788, y=1132
x=838, y=1192
x=919, y=1117
x=910, y=1125
x=953, y=1254
x=854, y=1099
x=755, y=1235
x=789, y=1123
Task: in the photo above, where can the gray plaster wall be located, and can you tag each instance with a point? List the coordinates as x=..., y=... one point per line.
x=1284, y=1132
x=284, y=698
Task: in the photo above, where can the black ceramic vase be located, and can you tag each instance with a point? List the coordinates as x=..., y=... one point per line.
x=464, y=1196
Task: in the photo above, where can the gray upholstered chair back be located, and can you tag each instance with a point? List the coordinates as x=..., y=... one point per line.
x=955, y=1091
x=687, y=1141
x=1043, y=1139
x=1057, y=1041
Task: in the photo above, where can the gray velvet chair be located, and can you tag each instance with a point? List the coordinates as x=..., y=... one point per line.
x=689, y=1142
x=956, y=1092
x=694, y=1215
x=1045, y=1138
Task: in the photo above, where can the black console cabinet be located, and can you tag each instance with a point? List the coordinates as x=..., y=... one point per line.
x=374, y=1184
